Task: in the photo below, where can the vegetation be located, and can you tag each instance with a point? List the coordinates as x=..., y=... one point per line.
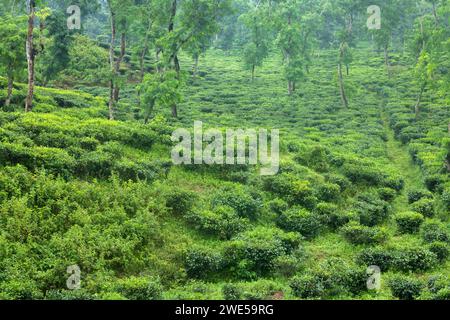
x=87, y=180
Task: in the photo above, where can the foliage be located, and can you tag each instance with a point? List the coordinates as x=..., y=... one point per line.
x=409, y=222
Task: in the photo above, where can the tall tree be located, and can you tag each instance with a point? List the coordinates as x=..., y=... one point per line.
x=257, y=47
x=295, y=25
x=189, y=20
x=31, y=54
x=12, y=51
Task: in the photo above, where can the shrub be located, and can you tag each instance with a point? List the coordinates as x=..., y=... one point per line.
x=440, y=249
x=277, y=206
x=409, y=222
x=371, y=210
x=223, y=222
x=296, y=192
x=231, y=291
x=330, y=215
x=434, y=231
x=286, y=266
x=358, y=234
x=253, y=253
x=300, y=220
x=307, y=286
x=95, y=164
x=361, y=173
x=375, y=257
x=438, y=288
x=341, y=181
x=387, y=194
x=180, y=201
x=74, y=295
x=134, y=288
x=434, y=182
x=424, y=207
x=201, y=262
x=332, y=278
x=405, y=288
x=55, y=160
x=445, y=198
x=414, y=259
x=246, y=205
x=417, y=194
x=395, y=183
x=328, y=192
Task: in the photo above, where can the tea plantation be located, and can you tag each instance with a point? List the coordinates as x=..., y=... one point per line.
x=362, y=186
x=94, y=207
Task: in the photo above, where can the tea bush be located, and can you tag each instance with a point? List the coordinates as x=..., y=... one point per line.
x=247, y=205
x=434, y=231
x=359, y=234
x=372, y=211
x=409, y=222
x=135, y=288
x=202, y=262
x=405, y=288
x=425, y=207
x=300, y=220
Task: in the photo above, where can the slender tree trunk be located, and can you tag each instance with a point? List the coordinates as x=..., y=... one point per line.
x=290, y=87
x=30, y=55
x=174, y=57
x=253, y=72
x=419, y=99
x=341, y=86
x=10, y=90
x=13, y=7
x=144, y=53
x=195, y=67
x=347, y=69
x=174, y=111
x=436, y=18
x=112, y=64
x=386, y=57
x=118, y=63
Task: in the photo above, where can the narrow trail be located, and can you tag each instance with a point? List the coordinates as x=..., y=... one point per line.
x=399, y=156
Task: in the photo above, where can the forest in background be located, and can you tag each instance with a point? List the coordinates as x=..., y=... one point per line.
x=92, y=207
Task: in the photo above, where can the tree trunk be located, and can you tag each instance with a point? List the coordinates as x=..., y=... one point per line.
x=253, y=72
x=195, y=67
x=174, y=111
x=112, y=63
x=347, y=69
x=10, y=89
x=436, y=19
x=419, y=100
x=30, y=55
x=341, y=86
x=290, y=87
x=158, y=66
x=118, y=63
x=145, y=50
x=174, y=57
